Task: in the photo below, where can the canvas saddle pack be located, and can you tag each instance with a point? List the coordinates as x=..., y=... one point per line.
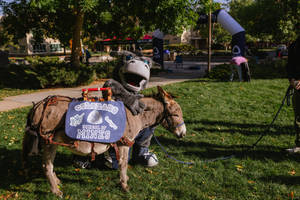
x=91, y=119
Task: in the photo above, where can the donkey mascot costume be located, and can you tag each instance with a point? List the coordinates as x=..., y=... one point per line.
x=128, y=80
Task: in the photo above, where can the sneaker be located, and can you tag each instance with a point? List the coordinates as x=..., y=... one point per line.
x=110, y=161
x=106, y=161
x=293, y=150
x=146, y=158
x=82, y=163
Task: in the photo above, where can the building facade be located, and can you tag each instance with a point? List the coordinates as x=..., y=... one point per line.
x=28, y=46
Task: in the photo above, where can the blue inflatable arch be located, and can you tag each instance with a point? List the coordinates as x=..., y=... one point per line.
x=233, y=27
x=238, y=41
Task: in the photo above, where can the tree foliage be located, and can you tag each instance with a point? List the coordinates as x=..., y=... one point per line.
x=219, y=34
x=269, y=20
x=73, y=19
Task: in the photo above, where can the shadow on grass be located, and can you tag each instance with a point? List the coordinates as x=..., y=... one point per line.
x=11, y=168
x=207, y=151
x=286, y=180
x=242, y=128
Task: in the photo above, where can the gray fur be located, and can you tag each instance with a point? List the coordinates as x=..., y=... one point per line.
x=130, y=99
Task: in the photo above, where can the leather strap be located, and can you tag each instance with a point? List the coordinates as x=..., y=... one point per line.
x=93, y=153
x=124, y=140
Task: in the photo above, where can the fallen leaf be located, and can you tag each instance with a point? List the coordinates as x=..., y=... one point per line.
x=239, y=168
x=77, y=170
x=149, y=171
x=249, y=181
x=89, y=195
x=98, y=188
x=291, y=195
x=292, y=172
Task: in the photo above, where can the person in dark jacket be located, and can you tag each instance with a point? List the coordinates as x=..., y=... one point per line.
x=87, y=56
x=293, y=71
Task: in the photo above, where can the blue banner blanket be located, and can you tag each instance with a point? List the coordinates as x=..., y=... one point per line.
x=102, y=122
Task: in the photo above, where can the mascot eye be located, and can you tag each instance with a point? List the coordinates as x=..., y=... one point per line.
x=129, y=57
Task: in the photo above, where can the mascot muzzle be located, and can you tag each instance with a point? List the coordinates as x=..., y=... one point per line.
x=135, y=75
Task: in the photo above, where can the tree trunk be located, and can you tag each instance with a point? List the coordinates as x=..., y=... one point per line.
x=76, y=41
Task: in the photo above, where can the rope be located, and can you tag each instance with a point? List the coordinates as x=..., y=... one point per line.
x=288, y=93
x=287, y=96
x=190, y=163
x=173, y=158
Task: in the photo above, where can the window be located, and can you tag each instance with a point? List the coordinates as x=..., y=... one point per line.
x=38, y=48
x=55, y=47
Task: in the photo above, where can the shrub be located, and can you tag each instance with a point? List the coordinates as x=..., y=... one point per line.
x=105, y=69
x=221, y=72
x=34, y=60
x=62, y=74
x=268, y=69
x=46, y=73
x=181, y=47
x=18, y=76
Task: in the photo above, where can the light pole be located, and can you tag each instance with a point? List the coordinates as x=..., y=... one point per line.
x=209, y=39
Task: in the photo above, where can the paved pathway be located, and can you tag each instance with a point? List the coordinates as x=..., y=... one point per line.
x=190, y=70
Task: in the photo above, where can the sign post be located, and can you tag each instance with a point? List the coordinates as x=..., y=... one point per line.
x=158, y=47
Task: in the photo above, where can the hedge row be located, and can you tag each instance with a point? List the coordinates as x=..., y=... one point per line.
x=267, y=69
x=46, y=72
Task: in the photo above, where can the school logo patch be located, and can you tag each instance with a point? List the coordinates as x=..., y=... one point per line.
x=102, y=122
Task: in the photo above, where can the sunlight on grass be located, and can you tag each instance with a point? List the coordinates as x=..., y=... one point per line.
x=222, y=119
x=6, y=92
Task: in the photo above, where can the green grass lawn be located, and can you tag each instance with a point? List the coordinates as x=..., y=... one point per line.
x=222, y=119
x=5, y=92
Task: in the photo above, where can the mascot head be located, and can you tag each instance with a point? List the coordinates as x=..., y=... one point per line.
x=135, y=74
